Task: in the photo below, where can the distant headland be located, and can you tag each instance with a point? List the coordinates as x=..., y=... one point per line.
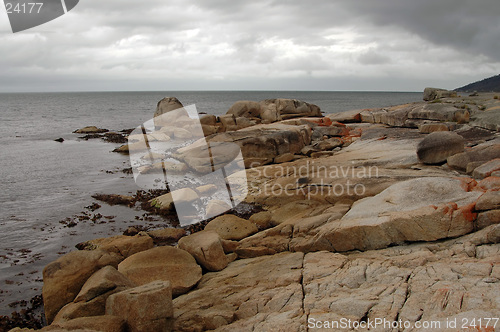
x=491, y=84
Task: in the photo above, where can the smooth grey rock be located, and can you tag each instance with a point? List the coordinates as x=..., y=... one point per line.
x=489, y=119
x=438, y=146
x=435, y=93
x=165, y=105
x=486, y=169
x=440, y=112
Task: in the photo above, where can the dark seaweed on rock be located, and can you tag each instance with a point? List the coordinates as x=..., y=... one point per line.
x=111, y=137
x=127, y=170
x=246, y=210
x=115, y=138
x=31, y=317
x=127, y=131
x=243, y=210
x=113, y=199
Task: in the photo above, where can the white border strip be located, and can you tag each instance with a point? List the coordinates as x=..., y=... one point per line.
x=64, y=6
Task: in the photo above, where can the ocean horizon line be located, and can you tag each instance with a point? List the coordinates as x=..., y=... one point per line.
x=197, y=91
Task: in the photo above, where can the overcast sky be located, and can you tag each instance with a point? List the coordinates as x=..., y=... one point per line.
x=378, y=45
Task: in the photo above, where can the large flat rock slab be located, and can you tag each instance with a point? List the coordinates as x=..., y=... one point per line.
x=297, y=292
x=489, y=119
x=411, y=195
x=426, y=209
x=261, y=294
x=457, y=279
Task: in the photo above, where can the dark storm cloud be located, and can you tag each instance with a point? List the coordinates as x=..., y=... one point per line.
x=471, y=26
x=262, y=44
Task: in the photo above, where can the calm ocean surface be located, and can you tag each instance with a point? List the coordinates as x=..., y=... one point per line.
x=44, y=182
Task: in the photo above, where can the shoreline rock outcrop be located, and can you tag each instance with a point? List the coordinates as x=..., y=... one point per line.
x=90, y=130
x=64, y=278
x=165, y=105
x=273, y=110
x=352, y=224
x=434, y=93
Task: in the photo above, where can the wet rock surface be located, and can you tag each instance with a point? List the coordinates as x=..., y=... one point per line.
x=90, y=130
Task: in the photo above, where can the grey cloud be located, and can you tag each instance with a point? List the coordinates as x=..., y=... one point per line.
x=274, y=44
x=471, y=26
x=372, y=57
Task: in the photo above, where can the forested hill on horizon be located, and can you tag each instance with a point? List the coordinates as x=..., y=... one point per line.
x=491, y=84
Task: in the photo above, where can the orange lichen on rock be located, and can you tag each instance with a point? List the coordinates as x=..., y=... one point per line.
x=323, y=122
x=356, y=132
x=468, y=184
x=468, y=211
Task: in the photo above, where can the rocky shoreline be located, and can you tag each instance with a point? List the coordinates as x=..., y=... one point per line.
x=389, y=213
